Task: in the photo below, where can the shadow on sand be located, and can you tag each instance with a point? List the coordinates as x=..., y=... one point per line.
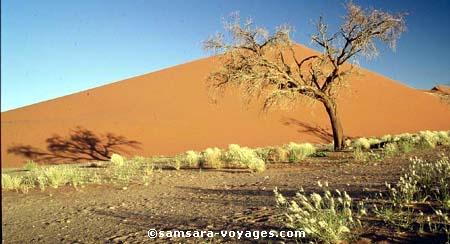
x=80, y=145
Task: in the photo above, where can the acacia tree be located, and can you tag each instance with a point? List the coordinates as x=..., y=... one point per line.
x=266, y=66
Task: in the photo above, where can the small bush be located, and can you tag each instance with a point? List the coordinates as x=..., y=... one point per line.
x=362, y=143
x=212, y=157
x=348, y=143
x=326, y=218
x=298, y=152
x=423, y=180
x=278, y=154
x=11, y=182
x=443, y=138
x=117, y=160
x=30, y=165
x=192, y=158
x=243, y=157
x=405, y=146
x=387, y=138
x=263, y=152
x=359, y=155
x=390, y=149
x=428, y=139
x=61, y=175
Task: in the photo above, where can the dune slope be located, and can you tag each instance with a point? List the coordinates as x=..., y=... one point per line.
x=168, y=111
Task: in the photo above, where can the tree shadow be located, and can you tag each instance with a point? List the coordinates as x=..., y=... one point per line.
x=303, y=127
x=80, y=145
x=320, y=132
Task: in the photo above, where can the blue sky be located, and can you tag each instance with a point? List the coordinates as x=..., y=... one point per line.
x=52, y=48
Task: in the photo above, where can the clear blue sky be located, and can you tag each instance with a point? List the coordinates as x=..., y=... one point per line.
x=54, y=48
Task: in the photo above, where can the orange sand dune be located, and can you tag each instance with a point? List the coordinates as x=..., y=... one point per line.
x=168, y=112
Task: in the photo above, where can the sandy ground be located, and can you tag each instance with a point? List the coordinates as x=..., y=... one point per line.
x=192, y=199
x=168, y=112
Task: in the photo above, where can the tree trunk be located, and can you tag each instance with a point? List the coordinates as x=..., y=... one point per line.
x=338, y=132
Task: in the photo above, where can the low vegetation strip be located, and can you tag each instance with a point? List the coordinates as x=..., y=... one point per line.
x=139, y=169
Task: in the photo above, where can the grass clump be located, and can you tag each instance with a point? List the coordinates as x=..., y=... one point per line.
x=212, y=157
x=192, y=158
x=117, y=160
x=243, y=157
x=391, y=149
x=424, y=182
x=443, y=138
x=326, y=218
x=60, y=175
x=43, y=177
x=362, y=143
x=11, y=182
x=428, y=139
x=30, y=165
x=278, y=154
x=406, y=146
x=125, y=171
x=298, y=152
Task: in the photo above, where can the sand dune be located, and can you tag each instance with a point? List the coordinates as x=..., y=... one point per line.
x=168, y=111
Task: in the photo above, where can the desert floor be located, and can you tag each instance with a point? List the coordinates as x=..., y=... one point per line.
x=196, y=199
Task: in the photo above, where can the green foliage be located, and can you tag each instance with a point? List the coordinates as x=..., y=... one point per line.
x=362, y=143
x=405, y=146
x=61, y=175
x=213, y=157
x=423, y=180
x=117, y=160
x=243, y=157
x=298, y=152
x=124, y=171
x=30, y=165
x=278, y=154
x=11, y=182
x=391, y=149
x=42, y=177
x=192, y=158
x=362, y=156
x=326, y=218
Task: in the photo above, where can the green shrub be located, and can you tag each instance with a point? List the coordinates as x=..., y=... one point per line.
x=298, y=152
x=61, y=175
x=11, y=182
x=326, y=218
x=263, y=152
x=391, y=149
x=243, y=157
x=192, y=158
x=443, y=138
x=30, y=165
x=428, y=139
x=348, y=143
x=278, y=154
x=117, y=160
x=387, y=138
x=212, y=157
x=359, y=155
x=362, y=143
x=405, y=146
x=423, y=180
